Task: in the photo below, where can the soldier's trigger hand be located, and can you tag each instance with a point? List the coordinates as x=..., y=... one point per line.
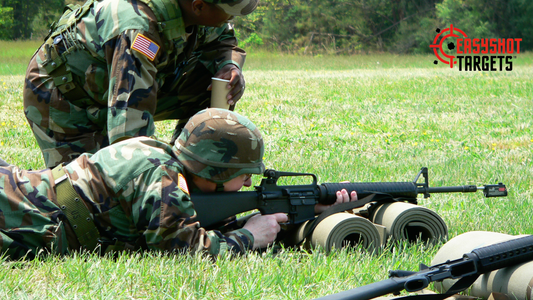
x=265, y=228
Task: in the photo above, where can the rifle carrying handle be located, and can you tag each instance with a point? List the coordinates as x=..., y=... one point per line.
x=504, y=254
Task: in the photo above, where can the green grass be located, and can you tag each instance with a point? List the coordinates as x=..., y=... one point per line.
x=15, y=56
x=343, y=118
x=268, y=61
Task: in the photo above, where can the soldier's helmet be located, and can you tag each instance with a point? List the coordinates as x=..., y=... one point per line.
x=219, y=145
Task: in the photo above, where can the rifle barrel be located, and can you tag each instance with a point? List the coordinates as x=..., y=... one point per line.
x=450, y=189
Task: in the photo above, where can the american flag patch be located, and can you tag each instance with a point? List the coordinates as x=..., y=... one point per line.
x=182, y=184
x=145, y=46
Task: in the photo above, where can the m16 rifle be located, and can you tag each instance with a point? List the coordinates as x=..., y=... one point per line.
x=466, y=269
x=298, y=201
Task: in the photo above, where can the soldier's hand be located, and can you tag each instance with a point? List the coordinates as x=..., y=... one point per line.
x=342, y=197
x=236, y=82
x=265, y=228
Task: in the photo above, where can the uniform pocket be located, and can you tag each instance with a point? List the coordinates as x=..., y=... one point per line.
x=66, y=117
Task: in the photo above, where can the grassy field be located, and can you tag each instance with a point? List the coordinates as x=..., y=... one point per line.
x=357, y=118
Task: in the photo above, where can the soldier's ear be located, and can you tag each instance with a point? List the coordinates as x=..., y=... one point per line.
x=198, y=6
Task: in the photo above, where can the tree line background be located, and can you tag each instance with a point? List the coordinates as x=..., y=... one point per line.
x=329, y=26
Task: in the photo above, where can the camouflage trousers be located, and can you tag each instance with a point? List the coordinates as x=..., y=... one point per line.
x=30, y=219
x=66, y=125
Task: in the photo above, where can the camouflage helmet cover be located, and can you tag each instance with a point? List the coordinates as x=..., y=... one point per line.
x=219, y=145
x=236, y=7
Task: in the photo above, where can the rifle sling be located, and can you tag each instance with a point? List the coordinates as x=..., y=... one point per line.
x=459, y=286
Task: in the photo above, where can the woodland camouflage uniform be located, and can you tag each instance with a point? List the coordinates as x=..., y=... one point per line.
x=110, y=68
x=136, y=192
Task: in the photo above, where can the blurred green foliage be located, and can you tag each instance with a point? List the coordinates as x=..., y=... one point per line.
x=329, y=26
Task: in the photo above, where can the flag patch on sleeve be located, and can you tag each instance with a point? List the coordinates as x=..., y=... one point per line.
x=145, y=46
x=182, y=184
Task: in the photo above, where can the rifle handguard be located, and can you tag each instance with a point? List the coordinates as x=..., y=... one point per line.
x=504, y=254
x=395, y=189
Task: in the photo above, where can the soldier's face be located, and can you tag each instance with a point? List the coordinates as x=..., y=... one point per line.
x=238, y=182
x=233, y=185
x=214, y=16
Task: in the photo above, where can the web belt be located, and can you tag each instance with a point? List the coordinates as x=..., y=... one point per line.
x=75, y=210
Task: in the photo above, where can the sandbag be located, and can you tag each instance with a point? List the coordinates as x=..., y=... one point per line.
x=515, y=281
x=406, y=221
x=340, y=230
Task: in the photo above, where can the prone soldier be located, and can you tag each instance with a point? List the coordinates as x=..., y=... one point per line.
x=135, y=194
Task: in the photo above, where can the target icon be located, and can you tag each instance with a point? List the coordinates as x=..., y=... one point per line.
x=437, y=45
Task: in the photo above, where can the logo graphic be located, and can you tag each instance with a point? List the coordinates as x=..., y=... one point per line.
x=437, y=46
x=479, y=51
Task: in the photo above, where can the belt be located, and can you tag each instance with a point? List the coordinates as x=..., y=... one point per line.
x=75, y=210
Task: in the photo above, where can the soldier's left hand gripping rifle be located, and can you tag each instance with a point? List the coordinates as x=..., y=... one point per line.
x=466, y=269
x=299, y=201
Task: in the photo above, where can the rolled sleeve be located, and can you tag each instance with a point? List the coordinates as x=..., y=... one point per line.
x=218, y=47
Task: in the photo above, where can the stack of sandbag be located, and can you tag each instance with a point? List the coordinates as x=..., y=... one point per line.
x=516, y=281
x=339, y=230
x=406, y=221
x=389, y=222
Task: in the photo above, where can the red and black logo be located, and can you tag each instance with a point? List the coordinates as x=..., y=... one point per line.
x=474, y=54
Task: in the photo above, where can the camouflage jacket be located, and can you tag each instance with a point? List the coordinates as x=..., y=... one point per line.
x=135, y=191
x=131, y=56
